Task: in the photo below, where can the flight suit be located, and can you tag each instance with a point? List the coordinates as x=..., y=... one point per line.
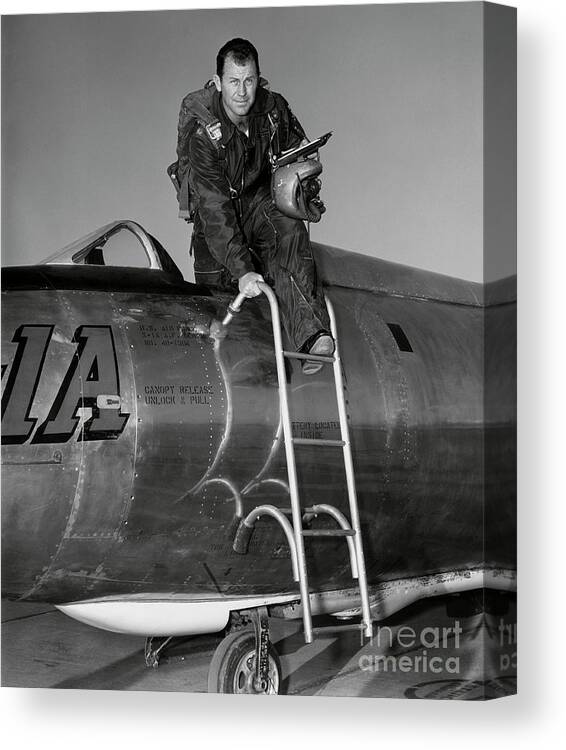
x=237, y=228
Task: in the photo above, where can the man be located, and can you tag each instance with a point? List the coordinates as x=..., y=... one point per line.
x=238, y=231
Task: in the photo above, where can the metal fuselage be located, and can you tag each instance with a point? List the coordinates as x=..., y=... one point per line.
x=133, y=442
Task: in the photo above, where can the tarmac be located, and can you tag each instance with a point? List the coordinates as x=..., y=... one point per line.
x=434, y=649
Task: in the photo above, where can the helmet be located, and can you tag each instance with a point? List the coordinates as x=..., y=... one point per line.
x=295, y=189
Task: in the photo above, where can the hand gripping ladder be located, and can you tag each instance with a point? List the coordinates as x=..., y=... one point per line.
x=295, y=531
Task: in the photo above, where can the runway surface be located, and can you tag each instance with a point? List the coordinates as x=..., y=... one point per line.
x=425, y=651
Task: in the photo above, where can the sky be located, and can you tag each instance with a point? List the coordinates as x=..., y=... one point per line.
x=90, y=106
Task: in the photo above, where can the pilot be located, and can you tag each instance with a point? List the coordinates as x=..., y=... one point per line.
x=239, y=234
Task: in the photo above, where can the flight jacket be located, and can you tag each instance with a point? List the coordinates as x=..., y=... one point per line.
x=230, y=176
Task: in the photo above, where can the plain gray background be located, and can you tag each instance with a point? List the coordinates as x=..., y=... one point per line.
x=91, y=102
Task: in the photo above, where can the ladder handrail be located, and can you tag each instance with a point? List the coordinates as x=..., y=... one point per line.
x=290, y=456
x=349, y=467
x=298, y=549
x=248, y=523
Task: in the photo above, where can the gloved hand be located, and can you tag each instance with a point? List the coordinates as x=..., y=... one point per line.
x=248, y=284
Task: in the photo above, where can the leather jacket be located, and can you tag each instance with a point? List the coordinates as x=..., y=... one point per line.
x=232, y=177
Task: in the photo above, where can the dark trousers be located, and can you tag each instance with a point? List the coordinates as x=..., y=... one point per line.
x=282, y=253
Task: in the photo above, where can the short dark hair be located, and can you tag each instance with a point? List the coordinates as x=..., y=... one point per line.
x=240, y=50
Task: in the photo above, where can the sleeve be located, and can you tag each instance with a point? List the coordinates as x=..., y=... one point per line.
x=183, y=134
x=222, y=232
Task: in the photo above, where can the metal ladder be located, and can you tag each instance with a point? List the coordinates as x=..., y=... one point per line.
x=295, y=532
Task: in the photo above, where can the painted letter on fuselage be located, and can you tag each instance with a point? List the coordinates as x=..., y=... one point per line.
x=22, y=382
x=93, y=370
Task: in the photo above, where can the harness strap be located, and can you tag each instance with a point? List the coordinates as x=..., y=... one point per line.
x=274, y=135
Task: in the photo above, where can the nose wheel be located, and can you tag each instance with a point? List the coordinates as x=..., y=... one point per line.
x=233, y=667
x=246, y=661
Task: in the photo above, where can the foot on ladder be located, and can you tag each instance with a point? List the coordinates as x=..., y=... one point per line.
x=322, y=346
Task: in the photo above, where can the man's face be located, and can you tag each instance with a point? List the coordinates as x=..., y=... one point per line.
x=237, y=87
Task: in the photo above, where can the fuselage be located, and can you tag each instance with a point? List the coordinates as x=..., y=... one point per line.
x=133, y=442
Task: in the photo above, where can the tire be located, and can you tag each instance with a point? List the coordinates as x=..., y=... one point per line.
x=232, y=668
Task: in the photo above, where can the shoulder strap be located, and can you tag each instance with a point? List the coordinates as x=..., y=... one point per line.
x=273, y=118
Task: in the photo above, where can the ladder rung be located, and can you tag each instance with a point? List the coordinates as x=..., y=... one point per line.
x=313, y=357
x=303, y=511
x=318, y=441
x=328, y=532
x=339, y=628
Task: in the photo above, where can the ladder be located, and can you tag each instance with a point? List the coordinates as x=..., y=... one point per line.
x=295, y=531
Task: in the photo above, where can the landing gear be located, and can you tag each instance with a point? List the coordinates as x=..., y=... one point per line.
x=232, y=669
x=154, y=646
x=246, y=661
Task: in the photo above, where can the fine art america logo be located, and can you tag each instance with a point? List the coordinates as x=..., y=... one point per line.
x=436, y=649
x=425, y=643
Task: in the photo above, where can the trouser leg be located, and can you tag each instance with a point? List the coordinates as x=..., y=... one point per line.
x=208, y=271
x=283, y=246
